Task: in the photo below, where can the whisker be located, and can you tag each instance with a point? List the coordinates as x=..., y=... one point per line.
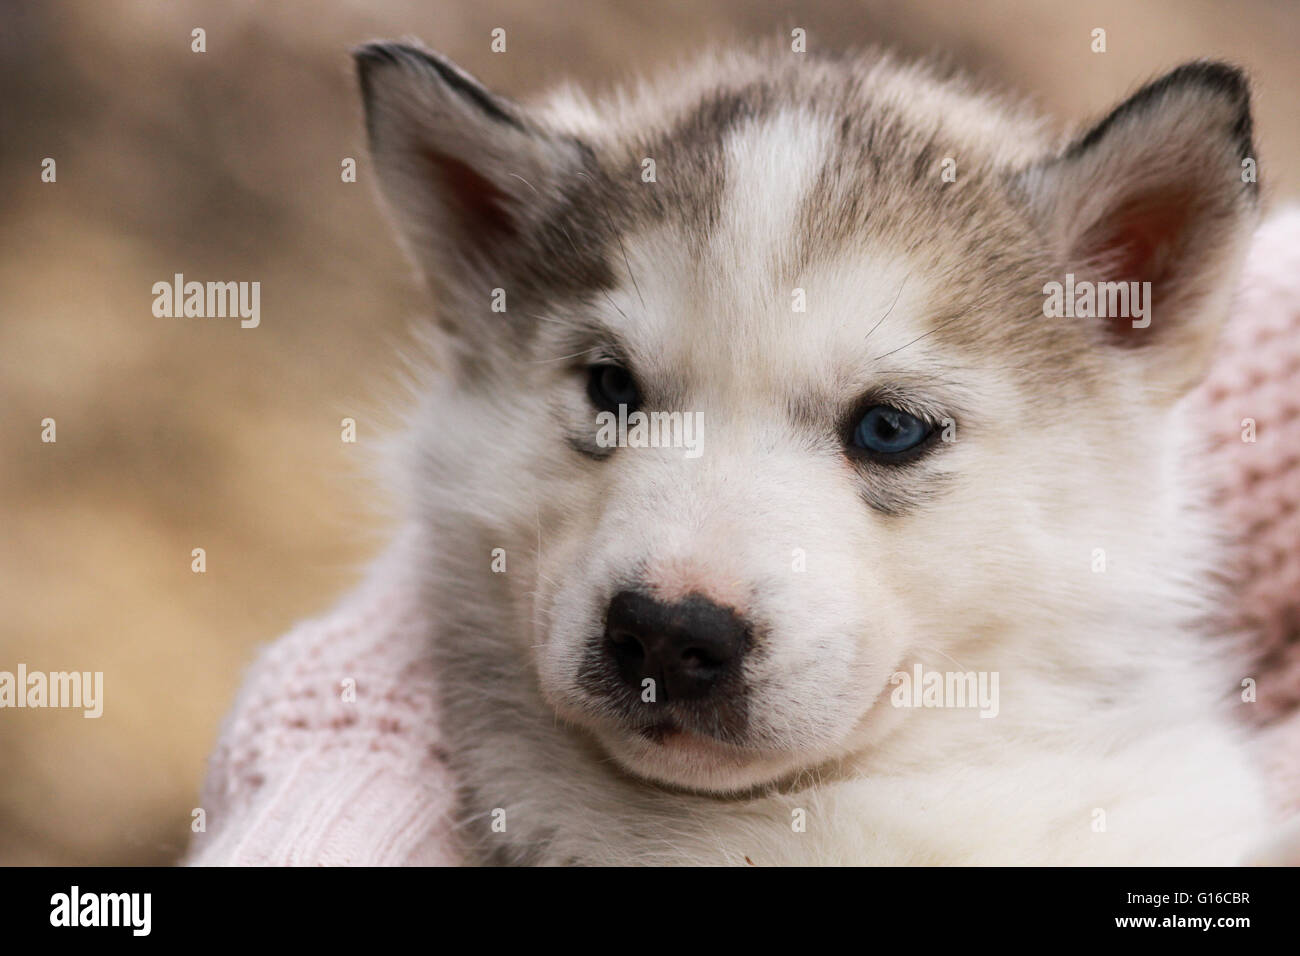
x=565, y=358
x=891, y=307
x=574, y=245
x=623, y=249
x=941, y=325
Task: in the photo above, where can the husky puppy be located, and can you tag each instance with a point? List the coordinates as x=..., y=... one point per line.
x=756, y=409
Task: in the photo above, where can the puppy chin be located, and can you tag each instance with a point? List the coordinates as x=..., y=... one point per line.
x=689, y=761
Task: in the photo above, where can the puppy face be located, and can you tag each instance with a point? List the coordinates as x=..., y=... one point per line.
x=774, y=403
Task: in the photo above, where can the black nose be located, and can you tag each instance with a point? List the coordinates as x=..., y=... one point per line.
x=687, y=648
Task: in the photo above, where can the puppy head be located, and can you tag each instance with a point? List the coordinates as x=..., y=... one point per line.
x=756, y=381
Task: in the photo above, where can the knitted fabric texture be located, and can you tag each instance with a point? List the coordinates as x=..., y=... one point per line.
x=331, y=754
x=1254, y=384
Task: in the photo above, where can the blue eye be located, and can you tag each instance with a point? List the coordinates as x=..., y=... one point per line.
x=885, y=430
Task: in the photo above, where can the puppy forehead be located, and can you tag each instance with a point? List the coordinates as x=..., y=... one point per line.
x=732, y=314
x=744, y=283
x=755, y=299
x=788, y=207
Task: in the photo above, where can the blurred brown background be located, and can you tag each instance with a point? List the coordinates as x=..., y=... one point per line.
x=182, y=433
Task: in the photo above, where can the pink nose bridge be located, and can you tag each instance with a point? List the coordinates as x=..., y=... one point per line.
x=713, y=576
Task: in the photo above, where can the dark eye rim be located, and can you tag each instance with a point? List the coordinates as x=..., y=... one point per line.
x=595, y=394
x=857, y=453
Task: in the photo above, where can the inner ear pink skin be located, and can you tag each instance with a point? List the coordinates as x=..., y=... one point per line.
x=480, y=207
x=1141, y=241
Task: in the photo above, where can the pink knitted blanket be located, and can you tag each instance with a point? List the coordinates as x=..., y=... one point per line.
x=332, y=755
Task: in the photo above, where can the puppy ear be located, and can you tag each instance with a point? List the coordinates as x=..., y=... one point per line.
x=1158, y=193
x=466, y=173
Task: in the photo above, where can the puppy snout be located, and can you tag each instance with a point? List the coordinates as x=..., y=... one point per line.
x=689, y=648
